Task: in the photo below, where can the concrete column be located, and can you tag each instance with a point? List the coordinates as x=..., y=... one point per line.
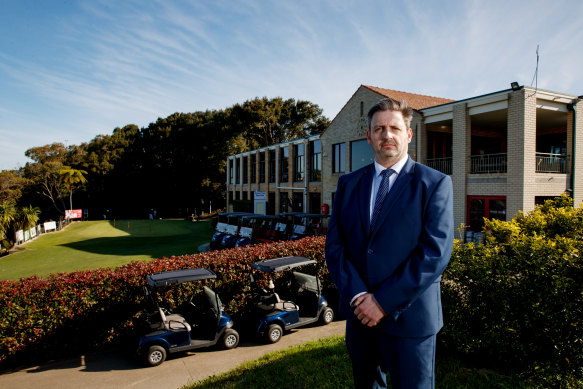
x=521, y=173
x=578, y=152
x=462, y=131
x=256, y=167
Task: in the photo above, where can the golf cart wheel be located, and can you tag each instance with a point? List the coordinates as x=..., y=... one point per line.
x=156, y=355
x=274, y=333
x=327, y=316
x=230, y=339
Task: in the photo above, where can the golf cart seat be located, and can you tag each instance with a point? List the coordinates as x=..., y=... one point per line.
x=174, y=322
x=270, y=301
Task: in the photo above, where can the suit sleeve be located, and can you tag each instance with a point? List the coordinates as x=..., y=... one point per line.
x=428, y=260
x=340, y=265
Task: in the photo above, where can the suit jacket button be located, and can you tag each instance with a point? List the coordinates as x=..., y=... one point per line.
x=370, y=251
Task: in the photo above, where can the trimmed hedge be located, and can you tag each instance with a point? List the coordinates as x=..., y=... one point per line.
x=516, y=302
x=85, y=310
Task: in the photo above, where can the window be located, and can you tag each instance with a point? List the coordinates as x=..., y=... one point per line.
x=271, y=165
x=480, y=207
x=316, y=161
x=284, y=201
x=245, y=171
x=253, y=169
x=231, y=176
x=238, y=171
x=297, y=202
x=315, y=202
x=299, y=162
x=361, y=154
x=271, y=203
x=339, y=158
x=262, y=166
x=284, y=155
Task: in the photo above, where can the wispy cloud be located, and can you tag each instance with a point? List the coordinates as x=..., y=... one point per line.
x=116, y=63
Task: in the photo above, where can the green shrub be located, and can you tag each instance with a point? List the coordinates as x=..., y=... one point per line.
x=516, y=301
x=67, y=313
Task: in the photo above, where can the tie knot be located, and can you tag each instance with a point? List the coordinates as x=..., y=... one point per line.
x=387, y=173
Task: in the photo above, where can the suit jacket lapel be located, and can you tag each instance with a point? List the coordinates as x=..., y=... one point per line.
x=364, y=200
x=402, y=181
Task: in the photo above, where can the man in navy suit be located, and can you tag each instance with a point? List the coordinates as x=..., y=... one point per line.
x=389, y=239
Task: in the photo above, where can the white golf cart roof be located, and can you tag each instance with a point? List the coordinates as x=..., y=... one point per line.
x=179, y=276
x=283, y=263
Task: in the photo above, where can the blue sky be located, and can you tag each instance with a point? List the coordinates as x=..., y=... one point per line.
x=71, y=70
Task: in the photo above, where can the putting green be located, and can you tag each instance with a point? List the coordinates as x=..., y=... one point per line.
x=103, y=243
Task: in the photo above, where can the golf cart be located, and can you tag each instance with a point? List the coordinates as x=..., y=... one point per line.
x=199, y=323
x=234, y=222
x=309, y=224
x=297, y=300
x=257, y=229
x=227, y=226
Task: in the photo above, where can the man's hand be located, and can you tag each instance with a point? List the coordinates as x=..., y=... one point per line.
x=368, y=310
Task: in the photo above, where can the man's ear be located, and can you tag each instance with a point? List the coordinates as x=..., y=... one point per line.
x=368, y=137
x=410, y=135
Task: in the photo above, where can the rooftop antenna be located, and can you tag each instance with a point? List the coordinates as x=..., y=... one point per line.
x=535, y=77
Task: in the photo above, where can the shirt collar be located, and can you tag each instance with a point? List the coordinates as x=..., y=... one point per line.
x=397, y=167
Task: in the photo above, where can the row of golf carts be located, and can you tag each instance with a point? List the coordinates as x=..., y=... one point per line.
x=290, y=299
x=236, y=229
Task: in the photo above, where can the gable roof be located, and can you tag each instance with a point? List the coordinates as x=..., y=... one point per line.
x=416, y=101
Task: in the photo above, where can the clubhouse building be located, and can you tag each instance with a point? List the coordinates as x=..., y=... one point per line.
x=505, y=151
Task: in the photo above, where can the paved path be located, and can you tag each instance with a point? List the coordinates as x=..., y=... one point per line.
x=116, y=370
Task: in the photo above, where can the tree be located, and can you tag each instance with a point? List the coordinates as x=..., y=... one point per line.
x=11, y=185
x=44, y=172
x=72, y=178
x=28, y=217
x=7, y=216
x=271, y=121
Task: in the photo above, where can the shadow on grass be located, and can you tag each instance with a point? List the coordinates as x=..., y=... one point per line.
x=137, y=245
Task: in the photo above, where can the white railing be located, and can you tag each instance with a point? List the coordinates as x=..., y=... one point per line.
x=551, y=163
x=488, y=163
x=443, y=165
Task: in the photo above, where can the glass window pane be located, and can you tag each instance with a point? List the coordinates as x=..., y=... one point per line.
x=361, y=154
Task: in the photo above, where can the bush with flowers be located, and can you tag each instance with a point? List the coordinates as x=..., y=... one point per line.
x=42, y=318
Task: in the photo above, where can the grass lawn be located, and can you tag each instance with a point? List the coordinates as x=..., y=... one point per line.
x=324, y=363
x=104, y=243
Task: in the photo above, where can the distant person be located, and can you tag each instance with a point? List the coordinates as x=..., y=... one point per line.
x=389, y=239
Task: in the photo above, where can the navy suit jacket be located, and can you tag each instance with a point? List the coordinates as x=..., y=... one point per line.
x=402, y=259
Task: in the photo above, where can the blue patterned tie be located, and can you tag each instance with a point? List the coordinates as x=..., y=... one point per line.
x=381, y=194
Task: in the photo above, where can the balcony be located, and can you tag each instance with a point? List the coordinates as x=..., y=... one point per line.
x=551, y=163
x=488, y=163
x=440, y=164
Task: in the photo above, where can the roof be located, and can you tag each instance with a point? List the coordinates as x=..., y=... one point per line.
x=281, y=263
x=415, y=101
x=179, y=276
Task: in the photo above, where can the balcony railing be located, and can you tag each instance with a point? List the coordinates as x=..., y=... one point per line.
x=488, y=163
x=440, y=164
x=551, y=163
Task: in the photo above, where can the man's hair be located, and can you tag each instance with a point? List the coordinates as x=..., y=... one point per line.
x=388, y=104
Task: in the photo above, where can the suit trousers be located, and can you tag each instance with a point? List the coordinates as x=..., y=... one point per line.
x=409, y=362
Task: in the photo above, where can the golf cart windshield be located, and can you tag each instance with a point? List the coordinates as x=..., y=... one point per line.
x=307, y=281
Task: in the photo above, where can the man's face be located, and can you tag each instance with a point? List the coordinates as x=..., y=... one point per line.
x=389, y=137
